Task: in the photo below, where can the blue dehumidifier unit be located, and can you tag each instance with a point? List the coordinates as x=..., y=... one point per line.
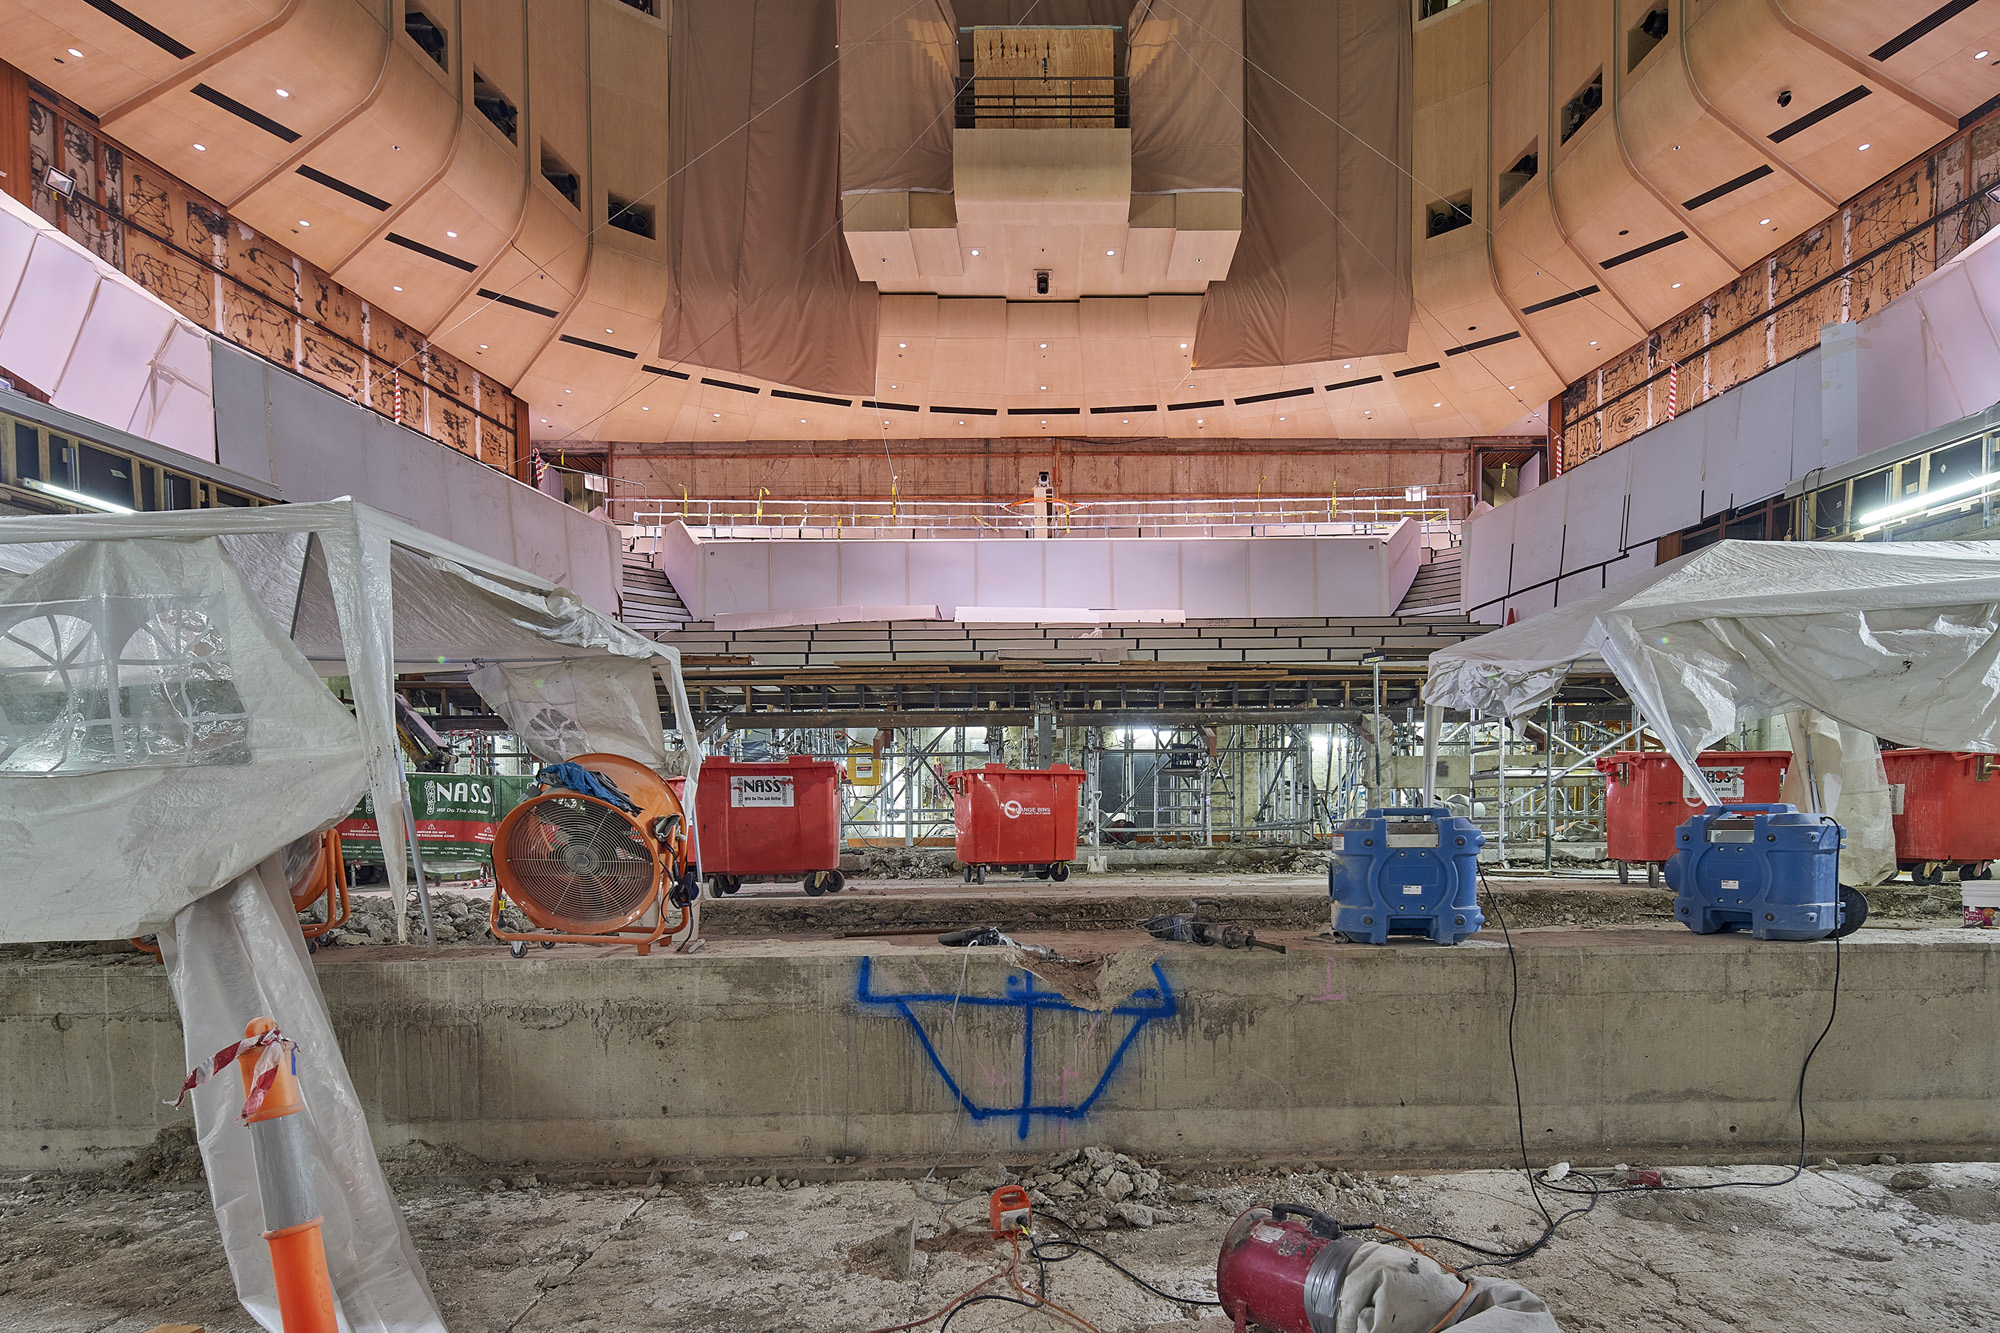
x=1406, y=872
x=1770, y=869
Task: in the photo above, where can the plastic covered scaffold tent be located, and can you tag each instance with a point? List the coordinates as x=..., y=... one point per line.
x=1898, y=640
x=165, y=733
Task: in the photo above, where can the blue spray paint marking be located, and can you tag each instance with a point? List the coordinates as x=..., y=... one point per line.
x=1147, y=1004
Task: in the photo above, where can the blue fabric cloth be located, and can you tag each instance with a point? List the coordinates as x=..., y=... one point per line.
x=571, y=776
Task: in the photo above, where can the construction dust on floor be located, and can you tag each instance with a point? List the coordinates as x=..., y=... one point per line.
x=1890, y=1247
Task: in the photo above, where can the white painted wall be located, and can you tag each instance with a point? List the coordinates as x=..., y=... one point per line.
x=822, y=581
x=1927, y=359
x=315, y=445
x=98, y=343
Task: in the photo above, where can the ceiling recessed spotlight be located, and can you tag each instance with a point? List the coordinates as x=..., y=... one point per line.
x=1281, y=418
x=975, y=254
x=1677, y=148
x=1345, y=365
x=961, y=423
x=644, y=408
x=1045, y=344
x=802, y=421
x=1593, y=342
x=201, y=148
x=482, y=347
x=452, y=234
x=304, y=223
x=607, y=330
x=716, y=415
x=902, y=344
x=1437, y=404
x=1200, y=422
x=545, y=421
x=1677, y=286
x=1045, y=421
x=1127, y=421
x=1765, y=222
x=1108, y=252
x=1510, y=388
x=1183, y=347
x=1864, y=148
x=395, y=289
x=283, y=93
x=885, y=421
x=1045, y=388
x=78, y=54
x=895, y=386
x=1977, y=55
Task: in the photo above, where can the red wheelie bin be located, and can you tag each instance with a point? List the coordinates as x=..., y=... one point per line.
x=1647, y=797
x=1015, y=818
x=769, y=821
x=1948, y=814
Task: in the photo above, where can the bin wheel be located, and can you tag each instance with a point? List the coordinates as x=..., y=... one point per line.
x=548, y=944
x=968, y=874
x=815, y=883
x=979, y=874
x=1059, y=871
x=1927, y=872
x=1853, y=912
x=1653, y=874
x=519, y=948
x=1624, y=872
x=1044, y=872
x=837, y=882
x=1980, y=870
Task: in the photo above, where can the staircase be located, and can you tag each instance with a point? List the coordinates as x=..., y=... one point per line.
x=1435, y=589
x=647, y=602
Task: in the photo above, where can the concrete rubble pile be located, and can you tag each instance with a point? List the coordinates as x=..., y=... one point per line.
x=456, y=919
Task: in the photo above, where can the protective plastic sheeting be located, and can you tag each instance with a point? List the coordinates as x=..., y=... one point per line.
x=1900, y=641
x=159, y=736
x=600, y=706
x=237, y=955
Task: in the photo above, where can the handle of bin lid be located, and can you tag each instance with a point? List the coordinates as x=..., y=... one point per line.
x=1411, y=810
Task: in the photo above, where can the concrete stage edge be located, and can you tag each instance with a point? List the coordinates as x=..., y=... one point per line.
x=1633, y=1044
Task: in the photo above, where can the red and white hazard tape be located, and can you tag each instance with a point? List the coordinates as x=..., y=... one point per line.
x=273, y=1047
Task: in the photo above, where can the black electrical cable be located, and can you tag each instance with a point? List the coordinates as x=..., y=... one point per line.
x=1595, y=1190
x=1077, y=1246
x=995, y=1297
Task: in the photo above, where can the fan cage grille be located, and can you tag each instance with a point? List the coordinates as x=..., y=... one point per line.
x=575, y=863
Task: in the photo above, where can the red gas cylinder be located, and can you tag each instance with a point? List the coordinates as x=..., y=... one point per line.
x=1280, y=1269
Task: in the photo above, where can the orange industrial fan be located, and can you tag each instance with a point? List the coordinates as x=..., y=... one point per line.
x=584, y=870
x=313, y=870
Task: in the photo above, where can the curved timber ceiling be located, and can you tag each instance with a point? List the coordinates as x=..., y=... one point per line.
x=325, y=123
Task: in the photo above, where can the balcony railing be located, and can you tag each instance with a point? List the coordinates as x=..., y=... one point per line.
x=1281, y=516
x=988, y=103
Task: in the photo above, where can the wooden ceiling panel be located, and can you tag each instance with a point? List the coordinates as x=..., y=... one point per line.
x=1942, y=62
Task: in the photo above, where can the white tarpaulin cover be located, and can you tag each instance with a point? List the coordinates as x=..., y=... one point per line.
x=159, y=736
x=608, y=706
x=162, y=733
x=1897, y=640
x=238, y=952
x=362, y=595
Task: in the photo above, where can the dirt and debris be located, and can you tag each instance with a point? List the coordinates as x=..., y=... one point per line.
x=902, y=863
x=1837, y=1248
x=457, y=919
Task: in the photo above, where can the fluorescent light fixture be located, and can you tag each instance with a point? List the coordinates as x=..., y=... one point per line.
x=76, y=497
x=1930, y=498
